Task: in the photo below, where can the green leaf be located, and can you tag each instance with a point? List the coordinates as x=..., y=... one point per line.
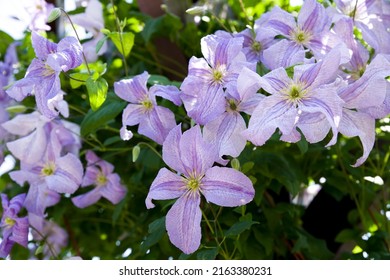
x=125, y=45
x=239, y=228
x=156, y=232
x=97, y=92
x=107, y=112
x=209, y=254
x=347, y=235
x=117, y=211
x=158, y=80
x=78, y=79
x=5, y=40
x=100, y=43
x=303, y=145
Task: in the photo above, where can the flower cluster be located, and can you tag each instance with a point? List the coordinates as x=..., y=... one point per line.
x=318, y=81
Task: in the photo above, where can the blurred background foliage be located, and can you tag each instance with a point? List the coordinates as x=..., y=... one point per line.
x=347, y=218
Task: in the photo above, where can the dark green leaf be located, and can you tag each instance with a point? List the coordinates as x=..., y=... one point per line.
x=239, y=228
x=209, y=254
x=99, y=44
x=107, y=112
x=156, y=232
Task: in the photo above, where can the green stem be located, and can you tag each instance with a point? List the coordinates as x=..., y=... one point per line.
x=150, y=147
x=120, y=31
x=44, y=238
x=78, y=38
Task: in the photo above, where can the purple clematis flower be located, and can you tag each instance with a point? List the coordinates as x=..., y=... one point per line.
x=107, y=184
x=226, y=129
x=203, y=94
x=48, y=177
x=309, y=101
x=193, y=158
x=36, y=131
x=42, y=77
x=154, y=121
x=92, y=20
x=15, y=229
x=54, y=237
x=366, y=99
x=309, y=30
x=39, y=10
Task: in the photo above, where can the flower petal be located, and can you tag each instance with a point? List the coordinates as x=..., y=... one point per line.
x=87, y=199
x=133, y=90
x=227, y=187
x=166, y=185
x=183, y=223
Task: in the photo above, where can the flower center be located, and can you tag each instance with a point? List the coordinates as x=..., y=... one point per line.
x=294, y=92
x=193, y=184
x=48, y=169
x=218, y=74
x=256, y=46
x=48, y=71
x=9, y=222
x=232, y=105
x=147, y=104
x=300, y=36
x=101, y=179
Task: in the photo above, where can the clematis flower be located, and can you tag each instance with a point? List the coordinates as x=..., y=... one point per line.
x=107, y=184
x=203, y=94
x=39, y=11
x=154, y=121
x=54, y=237
x=50, y=176
x=308, y=101
x=193, y=158
x=42, y=77
x=35, y=131
x=226, y=129
x=310, y=30
x=15, y=229
x=92, y=20
x=366, y=99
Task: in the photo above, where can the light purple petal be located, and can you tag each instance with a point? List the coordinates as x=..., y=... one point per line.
x=170, y=93
x=166, y=185
x=29, y=149
x=157, y=124
x=325, y=71
x=219, y=51
x=183, y=223
x=271, y=113
x=133, y=114
x=227, y=187
x=284, y=53
x=87, y=199
x=368, y=90
x=133, y=90
x=248, y=83
x=362, y=125
x=275, y=81
x=42, y=46
x=20, y=231
x=39, y=197
x=226, y=132
x=197, y=154
x=171, y=150
x=314, y=127
x=313, y=17
x=325, y=101
x=282, y=22
x=24, y=124
x=113, y=191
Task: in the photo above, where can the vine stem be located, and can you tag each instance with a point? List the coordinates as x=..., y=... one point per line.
x=44, y=238
x=119, y=29
x=78, y=38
